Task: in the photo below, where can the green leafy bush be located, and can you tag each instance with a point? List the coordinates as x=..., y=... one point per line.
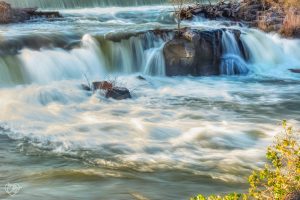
x=279, y=177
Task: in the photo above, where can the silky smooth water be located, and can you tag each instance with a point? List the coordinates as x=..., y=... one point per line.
x=177, y=136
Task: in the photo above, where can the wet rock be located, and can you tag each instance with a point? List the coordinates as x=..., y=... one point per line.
x=297, y=71
x=293, y=196
x=196, y=53
x=102, y=85
x=5, y=12
x=16, y=15
x=111, y=91
x=118, y=93
x=141, y=78
x=179, y=57
x=85, y=87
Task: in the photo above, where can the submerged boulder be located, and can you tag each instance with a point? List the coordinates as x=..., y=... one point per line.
x=297, y=71
x=197, y=53
x=118, y=93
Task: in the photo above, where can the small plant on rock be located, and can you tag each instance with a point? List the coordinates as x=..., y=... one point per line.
x=179, y=6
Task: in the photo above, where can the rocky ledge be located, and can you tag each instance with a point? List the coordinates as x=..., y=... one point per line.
x=269, y=17
x=201, y=53
x=16, y=15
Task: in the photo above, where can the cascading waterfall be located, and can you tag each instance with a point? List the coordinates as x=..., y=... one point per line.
x=156, y=62
x=81, y=3
x=137, y=54
x=5, y=75
x=58, y=64
x=232, y=61
x=62, y=4
x=93, y=58
x=11, y=71
x=96, y=57
x=271, y=55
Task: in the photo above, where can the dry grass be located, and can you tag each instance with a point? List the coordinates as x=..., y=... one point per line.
x=291, y=24
x=292, y=3
x=285, y=3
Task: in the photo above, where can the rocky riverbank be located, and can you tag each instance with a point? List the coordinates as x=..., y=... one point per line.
x=16, y=15
x=269, y=17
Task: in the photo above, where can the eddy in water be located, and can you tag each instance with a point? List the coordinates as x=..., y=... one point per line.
x=111, y=101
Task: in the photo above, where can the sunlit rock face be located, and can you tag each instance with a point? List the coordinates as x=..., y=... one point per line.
x=5, y=13
x=202, y=53
x=8, y=14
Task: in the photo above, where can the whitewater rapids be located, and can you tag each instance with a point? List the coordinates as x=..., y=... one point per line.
x=177, y=136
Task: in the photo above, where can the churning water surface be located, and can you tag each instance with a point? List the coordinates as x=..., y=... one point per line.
x=177, y=136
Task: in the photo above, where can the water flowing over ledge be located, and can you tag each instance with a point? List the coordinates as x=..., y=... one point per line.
x=61, y=4
x=143, y=53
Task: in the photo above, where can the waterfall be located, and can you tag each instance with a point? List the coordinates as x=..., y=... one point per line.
x=63, y=4
x=271, y=55
x=155, y=62
x=137, y=54
x=5, y=75
x=10, y=71
x=99, y=56
x=95, y=57
x=232, y=61
x=57, y=64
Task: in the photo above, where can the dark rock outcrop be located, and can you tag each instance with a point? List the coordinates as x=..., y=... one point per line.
x=111, y=91
x=196, y=53
x=102, y=85
x=16, y=15
x=85, y=87
x=118, y=93
x=297, y=71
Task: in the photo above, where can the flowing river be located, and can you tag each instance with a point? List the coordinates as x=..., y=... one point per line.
x=177, y=136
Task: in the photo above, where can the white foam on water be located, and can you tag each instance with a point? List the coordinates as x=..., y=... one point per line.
x=171, y=123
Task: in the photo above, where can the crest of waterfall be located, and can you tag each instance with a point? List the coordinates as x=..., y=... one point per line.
x=58, y=64
x=270, y=54
x=10, y=71
x=5, y=75
x=156, y=62
x=137, y=54
x=93, y=58
x=63, y=4
x=232, y=61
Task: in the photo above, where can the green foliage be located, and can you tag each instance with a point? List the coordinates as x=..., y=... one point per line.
x=232, y=196
x=282, y=175
x=279, y=177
